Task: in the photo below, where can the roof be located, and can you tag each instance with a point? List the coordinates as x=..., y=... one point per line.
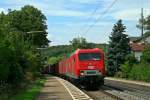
x=137, y=47
x=143, y=37
x=134, y=38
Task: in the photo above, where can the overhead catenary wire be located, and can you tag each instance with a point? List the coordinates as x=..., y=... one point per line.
x=101, y=15
x=89, y=17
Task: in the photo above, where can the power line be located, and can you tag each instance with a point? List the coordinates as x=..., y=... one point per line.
x=89, y=17
x=108, y=8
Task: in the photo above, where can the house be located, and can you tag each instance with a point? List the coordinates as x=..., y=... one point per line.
x=133, y=39
x=138, y=44
x=137, y=49
x=145, y=39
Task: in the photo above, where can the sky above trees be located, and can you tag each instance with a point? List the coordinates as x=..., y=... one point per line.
x=67, y=19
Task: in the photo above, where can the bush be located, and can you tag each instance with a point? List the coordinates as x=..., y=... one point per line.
x=127, y=66
x=5, y=62
x=10, y=69
x=146, y=53
x=137, y=71
x=140, y=72
x=38, y=74
x=11, y=73
x=16, y=74
x=31, y=92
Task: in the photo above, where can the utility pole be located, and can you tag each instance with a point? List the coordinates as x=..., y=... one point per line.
x=142, y=19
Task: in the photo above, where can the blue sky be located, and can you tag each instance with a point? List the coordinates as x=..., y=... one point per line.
x=67, y=19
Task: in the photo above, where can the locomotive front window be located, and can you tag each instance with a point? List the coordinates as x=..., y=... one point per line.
x=89, y=56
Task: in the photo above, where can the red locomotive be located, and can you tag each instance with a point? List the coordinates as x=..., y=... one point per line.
x=85, y=66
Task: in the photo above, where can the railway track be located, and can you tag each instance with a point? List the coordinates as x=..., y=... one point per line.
x=101, y=95
x=114, y=90
x=127, y=91
x=112, y=93
x=83, y=94
x=111, y=90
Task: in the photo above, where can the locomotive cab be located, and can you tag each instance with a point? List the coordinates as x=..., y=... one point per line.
x=84, y=66
x=91, y=67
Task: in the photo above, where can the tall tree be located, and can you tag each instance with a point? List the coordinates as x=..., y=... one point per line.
x=146, y=24
x=16, y=59
x=118, y=47
x=30, y=19
x=80, y=43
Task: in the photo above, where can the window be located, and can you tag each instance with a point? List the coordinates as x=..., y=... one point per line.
x=89, y=56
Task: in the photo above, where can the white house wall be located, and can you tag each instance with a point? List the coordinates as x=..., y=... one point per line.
x=138, y=55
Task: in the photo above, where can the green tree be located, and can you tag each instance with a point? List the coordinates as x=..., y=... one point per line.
x=146, y=25
x=79, y=42
x=18, y=54
x=30, y=19
x=146, y=53
x=53, y=60
x=118, y=48
x=126, y=68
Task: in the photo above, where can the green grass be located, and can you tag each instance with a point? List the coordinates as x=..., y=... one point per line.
x=31, y=92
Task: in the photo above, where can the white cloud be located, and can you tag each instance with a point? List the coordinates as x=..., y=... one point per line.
x=86, y=23
x=3, y=10
x=64, y=13
x=86, y=1
x=60, y=31
x=130, y=14
x=49, y=8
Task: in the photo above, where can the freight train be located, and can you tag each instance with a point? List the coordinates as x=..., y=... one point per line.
x=84, y=66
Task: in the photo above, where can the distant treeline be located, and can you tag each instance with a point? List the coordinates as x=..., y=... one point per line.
x=63, y=50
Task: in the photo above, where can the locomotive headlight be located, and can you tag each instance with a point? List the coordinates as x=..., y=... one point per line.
x=82, y=72
x=99, y=72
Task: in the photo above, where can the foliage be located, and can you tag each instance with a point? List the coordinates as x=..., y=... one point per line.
x=30, y=19
x=140, y=72
x=5, y=61
x=55, y=53
x=53, y=60
x=18, y=54
x=146, y=53
x=11, y=71
x=118, y=48
x=128, y=65
x=62, y=50
x=79, y=43
x=32, y=61
x=134, y=70
x=31, y=92
x=146, y=24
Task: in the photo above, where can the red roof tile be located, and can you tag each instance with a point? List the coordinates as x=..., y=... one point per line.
x=137, y=46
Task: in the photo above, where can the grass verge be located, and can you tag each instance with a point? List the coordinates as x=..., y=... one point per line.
x=31, y=92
